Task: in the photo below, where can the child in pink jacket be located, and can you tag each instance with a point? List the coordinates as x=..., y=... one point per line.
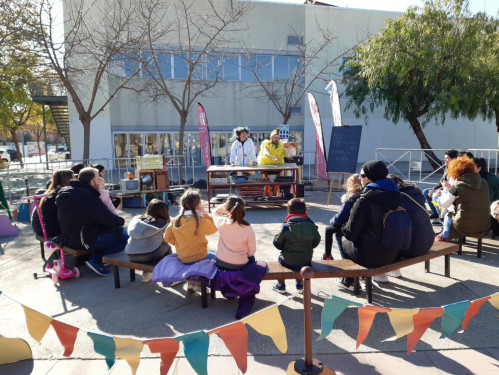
x=105, y=197
x=237, y=240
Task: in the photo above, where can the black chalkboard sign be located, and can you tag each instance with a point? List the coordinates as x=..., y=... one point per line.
x=344, y=149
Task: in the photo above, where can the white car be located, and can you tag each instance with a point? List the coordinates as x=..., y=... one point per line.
x=4, y=156
x=59, y=154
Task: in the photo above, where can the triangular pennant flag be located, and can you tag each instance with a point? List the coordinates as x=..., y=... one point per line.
x=291, y=369
x=196, y=350
x=104, y=345
x=129, y=350
x=235, y=337
x=333, y=307
x=269, y=322
x=366, y=318
x=453, y=317
x=473, y=309
x=422, y=321
x=168, y=349
x=13, y=350
x=67, y=336
x=37, y=323
x=494, y=300
x=402, y=321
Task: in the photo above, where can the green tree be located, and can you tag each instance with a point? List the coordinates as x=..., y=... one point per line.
x=414, y=67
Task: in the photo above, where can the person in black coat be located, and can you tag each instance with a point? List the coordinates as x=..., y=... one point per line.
x=410, y=189
x=86, y=222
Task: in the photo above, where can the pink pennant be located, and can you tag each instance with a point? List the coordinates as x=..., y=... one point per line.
x=167, y=348
x=67, y=336
x=235, y=337
x=473, y=310
x=422, y=321
x=366, y=318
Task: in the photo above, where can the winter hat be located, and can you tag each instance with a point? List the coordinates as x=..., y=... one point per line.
x=374, y=170
x=274, y=132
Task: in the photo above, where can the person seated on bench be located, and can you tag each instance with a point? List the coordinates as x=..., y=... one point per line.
x=471, y=193
x=238, y=275
x=296, y=240
x=146, y=242
x=102, y=173
x=353, y=187
x=410, y=189
x=364, y=229
x=47, y=206
x=87, y=223
x=188, y=231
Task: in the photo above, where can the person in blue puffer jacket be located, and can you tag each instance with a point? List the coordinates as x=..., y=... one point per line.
x=353, y=188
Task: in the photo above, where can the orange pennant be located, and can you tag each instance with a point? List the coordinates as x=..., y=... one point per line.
x=37, y=323
x=366, y=318
x=473, y=310
x=235, y=337
x=167, y=348
x=422, y=321
x=67, y=336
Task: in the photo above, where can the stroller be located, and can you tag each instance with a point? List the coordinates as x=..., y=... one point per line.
x=58, y=270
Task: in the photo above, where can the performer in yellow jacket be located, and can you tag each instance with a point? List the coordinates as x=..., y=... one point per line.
x=272, y=151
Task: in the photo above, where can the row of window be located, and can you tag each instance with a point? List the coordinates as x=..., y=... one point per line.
x=226, y=67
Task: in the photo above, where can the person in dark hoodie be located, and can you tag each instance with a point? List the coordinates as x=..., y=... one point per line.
x=86, y=222
x=364, y=229
x=296, y=240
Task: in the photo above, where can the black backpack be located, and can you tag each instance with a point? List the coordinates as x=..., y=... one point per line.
x=397, y=230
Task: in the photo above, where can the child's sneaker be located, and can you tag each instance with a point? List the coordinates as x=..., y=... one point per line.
x=279, y=288
x=146, y=276
x=440, y=237
x=346, y=283
x=327, y=257
x=299, y=287
x=394, y=273
x=381, y=278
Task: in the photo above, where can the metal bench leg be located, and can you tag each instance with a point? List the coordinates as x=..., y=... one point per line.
x=479, y=248
x=356, y=285
x=460, y=243
x=116, y=273
x=427, y=265
x=369, y=289
x=447, y=265
x=132, y=275
x=204, y=297
x=213, y=293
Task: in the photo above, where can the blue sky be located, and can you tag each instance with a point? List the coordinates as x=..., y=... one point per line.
x=490, y=6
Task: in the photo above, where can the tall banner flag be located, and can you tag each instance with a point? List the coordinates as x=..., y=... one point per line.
x=334, y=99
x=204, y=136
x=320, y=155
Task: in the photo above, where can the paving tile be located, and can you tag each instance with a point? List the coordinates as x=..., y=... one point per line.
x=79, y=367
x=463, y=362
x=397, y=363
x=28, y=367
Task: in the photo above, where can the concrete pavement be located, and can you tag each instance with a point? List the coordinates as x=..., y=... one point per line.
x=143, y=310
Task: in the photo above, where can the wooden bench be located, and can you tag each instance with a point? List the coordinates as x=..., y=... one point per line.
x=479, y=237
x=76, y=253
x=347, y=268
x=121, y=259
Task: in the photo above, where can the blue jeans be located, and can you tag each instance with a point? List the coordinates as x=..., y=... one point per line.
x=428, y=200
x=109, y=243
x=446, y=226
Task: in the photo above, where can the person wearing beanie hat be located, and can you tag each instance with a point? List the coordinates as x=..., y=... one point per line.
x=242, y=151
x=272, y=152
x=364, y=229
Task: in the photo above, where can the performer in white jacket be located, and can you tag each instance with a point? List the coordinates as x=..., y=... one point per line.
x=243, y=148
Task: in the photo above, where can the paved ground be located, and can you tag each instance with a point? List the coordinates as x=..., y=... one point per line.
x=143, y=310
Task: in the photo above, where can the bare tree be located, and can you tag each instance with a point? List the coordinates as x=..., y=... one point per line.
x=285, y=90
x=197, y=34
x=95, y=33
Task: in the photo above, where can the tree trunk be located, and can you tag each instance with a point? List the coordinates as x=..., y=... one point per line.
x=430, y=155
x=39, y=148
x=86, y=138
x=496, y=112
x=13, y=135
x=183, y=120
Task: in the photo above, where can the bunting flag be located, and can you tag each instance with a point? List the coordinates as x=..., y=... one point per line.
x=422, y=321
x=366, y=318
x=473, y=310
x=494, y=301
x=453, y=317
x=268, y=322
x=402, y=321
x=67, y=336
x=235, y=337
x=196, y=350
x=333, y=307
x=168, y=349
x=320, y=148
x=129, y=350
x=334, y=99
x=204, y=136
x=13, y=350
x=37, y=323
x=104, y=345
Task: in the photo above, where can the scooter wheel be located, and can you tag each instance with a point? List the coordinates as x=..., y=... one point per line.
x=77, y=272
x=55, y=278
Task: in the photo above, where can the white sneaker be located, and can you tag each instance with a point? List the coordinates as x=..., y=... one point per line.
x=395, y=273
x=381, y=278
x=146, y=277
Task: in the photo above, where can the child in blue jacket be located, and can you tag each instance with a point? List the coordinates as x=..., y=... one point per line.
x=353, y=188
